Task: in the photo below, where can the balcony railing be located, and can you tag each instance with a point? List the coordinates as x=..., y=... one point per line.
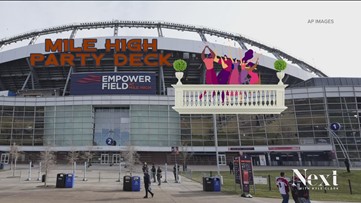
x=229, y=99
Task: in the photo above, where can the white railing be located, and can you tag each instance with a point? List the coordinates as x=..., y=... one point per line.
x=229, y=99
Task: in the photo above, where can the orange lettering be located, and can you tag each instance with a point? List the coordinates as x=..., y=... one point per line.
x=51, y=60
x=135, y=60
x=116, y=59
x=57, y=46
x=36, y=58
x=97, y=58
x=88, y=45
x=152, y=45
x=164, y=59
x=67, y=58
x=82, y=58
x=149, y=63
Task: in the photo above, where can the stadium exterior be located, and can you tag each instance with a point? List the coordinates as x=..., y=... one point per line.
x=45, y=113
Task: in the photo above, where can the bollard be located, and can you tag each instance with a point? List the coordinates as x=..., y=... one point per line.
x=165, y=173
x=99, y=176
x=84, y=179
x=20, y=176
x=269, y=182
x=120, y=170
x=39, y=173
x=29, y=174
x=349, y=185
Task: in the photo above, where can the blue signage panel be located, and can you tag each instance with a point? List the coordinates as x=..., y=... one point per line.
x=335, y=126
x=109, y=141
x=112, y=83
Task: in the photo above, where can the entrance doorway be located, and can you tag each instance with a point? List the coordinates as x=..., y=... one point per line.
x=116, y=158
x=222, y=159
x=4, y=158
x=104, y=159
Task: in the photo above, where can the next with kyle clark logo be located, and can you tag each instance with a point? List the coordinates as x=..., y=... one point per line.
x=316, y=181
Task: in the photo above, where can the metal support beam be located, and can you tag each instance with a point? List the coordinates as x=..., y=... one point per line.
x=160, y=33
x=276, y=55
x=26, y=81
x=116, y=31
x=33, y=73
x=33, y=40
x=162, y=89
x=73, y=33
x=203, y=37
x=243, y=46
x=67, y=80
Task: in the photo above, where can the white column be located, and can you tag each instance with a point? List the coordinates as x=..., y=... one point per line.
x=216, y=145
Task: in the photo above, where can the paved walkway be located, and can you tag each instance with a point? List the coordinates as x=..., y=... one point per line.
x=102, y=187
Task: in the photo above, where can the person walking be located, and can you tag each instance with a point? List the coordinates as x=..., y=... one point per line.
x=175, y=173
x=283, y=187
x=347, y=164
x=147, y=183
x=145, y=167
x=303, y=193
x=294, y=190
x=153, y=172
x=231, y=167
x=159, y=175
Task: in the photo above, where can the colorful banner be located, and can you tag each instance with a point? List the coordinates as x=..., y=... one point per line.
x=112, y=83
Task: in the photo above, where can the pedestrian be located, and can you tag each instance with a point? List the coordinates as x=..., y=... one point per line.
x=303, y=193
x=347, y=164
x=145, y=167
x=294, y=190
x=153, y=172
x=147, y=183
x=159, y=175
x=175, y=173
x=231, y=167
x=282, y=185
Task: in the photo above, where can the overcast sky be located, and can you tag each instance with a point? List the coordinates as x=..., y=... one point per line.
x=331, y=47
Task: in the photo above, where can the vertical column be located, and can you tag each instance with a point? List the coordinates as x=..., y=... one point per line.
x=269, y=158
x=299, y=158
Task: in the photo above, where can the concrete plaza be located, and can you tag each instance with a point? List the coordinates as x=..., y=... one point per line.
x=102, y=186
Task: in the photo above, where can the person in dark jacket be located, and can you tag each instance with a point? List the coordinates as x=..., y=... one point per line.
x=303, y=193
x=231, y=167
x=159, y=175
x=294, y=189
x=147, y=184
x=154, y=171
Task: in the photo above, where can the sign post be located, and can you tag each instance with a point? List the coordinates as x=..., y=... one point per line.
x=244, y=173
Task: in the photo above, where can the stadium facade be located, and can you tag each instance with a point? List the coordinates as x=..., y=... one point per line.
x=46, y=111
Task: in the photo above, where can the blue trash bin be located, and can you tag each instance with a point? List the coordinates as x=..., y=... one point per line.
x=217, y=184
x=69, y=180
x=135, y=183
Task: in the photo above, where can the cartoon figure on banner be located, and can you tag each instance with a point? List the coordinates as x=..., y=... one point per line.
x=211, y=77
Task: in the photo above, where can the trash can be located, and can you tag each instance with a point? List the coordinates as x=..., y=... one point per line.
x=69, y=180
x=208, y=184
x=127, y=183
x=60, y=180
x=1, y=166
x=43, y=178
x=217, y=184
x=135, y=183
